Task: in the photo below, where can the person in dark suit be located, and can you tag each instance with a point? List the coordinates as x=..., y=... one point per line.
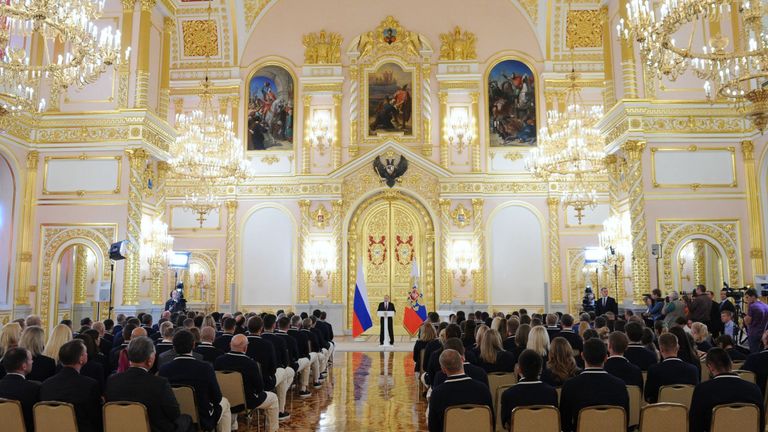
x=222, y=342
x=255, y=397
x=212, y=409
x=552, y=327
x=17, y=363
x=277, y=377
x=168, y=356
x=758, y=363
x=303, y=364
x=670, y=371
x=457, y=389
x=472, y=371
x=165, y=343
x=529, y=390
x=386, y=305
x=205, y=348
x=636, y=353
x=176, y=303
x=606, y=304
x=594, y=386
x=735, y=352
x=70, y=386
x=154, y=392
x=617, y=365
x=724, y=388
x=568, y=334
x=433, y=364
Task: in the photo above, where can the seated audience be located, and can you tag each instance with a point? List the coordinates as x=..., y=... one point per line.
x=70, y=386
x=649, y=342
x=427, y=335
x=758, y=363
x=43, y=367
x=551, y=325
x=617, y=365
x=561, y=365
x=457, y=389
x=734, y=352
x=94, y=365
x=724, y=388
x=538, y=340
x=576, y=342
x=513, y=323
x=277, y=377
x=636, y=352
x=670, y=371
x=493, y=358
x=433, y=365
x=529, y=390
x=17, y=363
x=205, y=348
x=594, y=386
x=213, y=410
x=255, y=397
x=9, y=337
x=472, y=371
x=686, y=351
x=154, y=392
x=166, y=338
x=700, y=335
x=223, y=342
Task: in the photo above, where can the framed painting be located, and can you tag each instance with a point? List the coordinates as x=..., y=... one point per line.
x=511, y=104
x=390, y=101
x=270, y=112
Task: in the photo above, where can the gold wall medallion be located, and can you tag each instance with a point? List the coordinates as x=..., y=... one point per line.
x=322, y=48
x=461, y=216
x=458, y=45
x=321, y=217
x=201, y=38
x=584, y=28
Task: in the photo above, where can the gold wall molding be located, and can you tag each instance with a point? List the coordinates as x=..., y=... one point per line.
x=24, y=261
x=693, y=149
x=724, y=233
x=322, y=48
x=583, y=28
x=446, y=281
x=633, y=151
x=81, y=275
x=460, y=216
x=531, y=7
x=210, y=258
x=304, y=223
x=137, y=159
x=480, y=294
x=200, y=37
x=83, y=157
x=458, y=45
x=52, y=238
x=753, y=206
x=230, y=271
x=555, y=283
x=494, y=188
x=336, y=225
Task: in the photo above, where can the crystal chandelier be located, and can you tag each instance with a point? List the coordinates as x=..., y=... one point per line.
x=75, y=52
x=737, y=72
x=202, y=201
x=616, y=234
x=578, y=194
x=156, y=245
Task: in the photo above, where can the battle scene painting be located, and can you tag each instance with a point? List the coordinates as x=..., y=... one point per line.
x=390, y=101
x=512, y=105
x=270, y=109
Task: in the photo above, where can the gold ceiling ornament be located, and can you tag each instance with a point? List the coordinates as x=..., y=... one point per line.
x=389, y=38
x=201, y=38
x=86, y=51
x=458, y=45
x=461, y=216
x=322, y=48
x=584, y=28
x=321, y=217
x=732, y=71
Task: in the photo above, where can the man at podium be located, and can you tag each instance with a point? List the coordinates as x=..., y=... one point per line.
x=386, y=306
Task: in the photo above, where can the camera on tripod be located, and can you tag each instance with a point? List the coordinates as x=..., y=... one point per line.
x=735, y=293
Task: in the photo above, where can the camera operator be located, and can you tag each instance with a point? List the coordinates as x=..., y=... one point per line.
x=176, y=303
x=700, y=306
x=756, y=319
x=588, y=303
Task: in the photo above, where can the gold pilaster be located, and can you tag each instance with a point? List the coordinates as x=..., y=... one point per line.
x=475, y=133
x=234, y=101
x=143, y=51
x=614, y=189
x=426, y=103
x=443, y=98
x=556, y=283
x=629, y=74
x=336, y=222
x=306, y=151
x=303, y=239
x=81, y=274
x=609, y=92
x=699, y=263
x=229, y=270
x=641, y=283
x=157, y=287
x=169, y=25
x=446, y=282
x=336, y=148
x=24, y=262
x=478, y=276
x=126, y=40
x=756, y=252
x=138, y=160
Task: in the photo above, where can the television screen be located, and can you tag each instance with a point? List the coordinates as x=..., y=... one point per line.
x=180, y=260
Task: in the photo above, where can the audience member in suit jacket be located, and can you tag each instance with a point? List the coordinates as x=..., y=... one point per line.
x=724, y=388
x=606, y=304
x=592, y=387
x=222, y=342
x=568, y=334
x=43, y=367
x=529, y=390
x=617, y=365
x=758, y=363
x=433, y=364
x=458, y=389
x=154, y=392
x=187, y=370
x=205, y=348
x=17, y=362
x=670, y=371
x=472, y=371
x=636, y=353
x=70, y=386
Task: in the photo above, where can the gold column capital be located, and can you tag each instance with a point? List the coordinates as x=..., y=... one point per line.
x=136, y=156
x=633, y=149
x=553, y=201
x=169, y=24
x=128, y=5
x=304, y=204
x=748, y=150
x=148, y=5
x=231, y=205
x=33, y=157
x=477, y=203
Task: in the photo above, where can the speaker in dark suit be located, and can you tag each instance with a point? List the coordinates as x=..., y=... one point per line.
x=81, y=391
x=386, y=306
x=606, y=304
x=457, y=389
x=17, y=362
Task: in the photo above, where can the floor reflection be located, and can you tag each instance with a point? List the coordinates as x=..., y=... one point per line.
x=372, y=391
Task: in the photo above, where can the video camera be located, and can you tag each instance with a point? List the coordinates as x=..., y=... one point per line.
x=735, y=293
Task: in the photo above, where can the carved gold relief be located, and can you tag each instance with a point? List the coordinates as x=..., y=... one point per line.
x=270, y=159
x=633, y=151
x=201, y=38
x=478, y=276
x=458, y=45
x=556, y=283
x=584, y=28
x=322, y=48
x=461, y=216
x=320, y=217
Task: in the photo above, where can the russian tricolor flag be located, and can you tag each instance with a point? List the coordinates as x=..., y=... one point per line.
x=361, y=320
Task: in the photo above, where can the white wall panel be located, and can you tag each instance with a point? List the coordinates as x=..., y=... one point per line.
x=267, y=258
x=99, y=175
x=7, y=209
x=184, y=218
x=516, y=257
x=702, y=166
x=592, y=217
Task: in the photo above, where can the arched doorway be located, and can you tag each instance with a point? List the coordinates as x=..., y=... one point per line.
x=390, y=232
x=78, y=275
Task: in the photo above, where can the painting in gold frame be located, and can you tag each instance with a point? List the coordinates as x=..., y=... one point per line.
x=390, y=101
x=270, y=110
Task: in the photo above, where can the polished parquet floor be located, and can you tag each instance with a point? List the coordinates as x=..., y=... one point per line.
x=366, y=391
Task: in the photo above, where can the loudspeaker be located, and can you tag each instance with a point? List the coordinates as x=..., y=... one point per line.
x=102, y=293
x=656, y=250
x=118, y=251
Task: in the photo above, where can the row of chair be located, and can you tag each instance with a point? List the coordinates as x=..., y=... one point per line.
x=659, y=417
x=123, y=416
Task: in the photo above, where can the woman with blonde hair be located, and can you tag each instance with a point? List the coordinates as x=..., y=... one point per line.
x=583, y=326
x=479, y=334
x=9, y=337
x=538, y=340
x=700, y=334
x=561, y=365
x=427, y=336
x=492, y=357
x=60, y=335
x=208, y=321
x=43, y=367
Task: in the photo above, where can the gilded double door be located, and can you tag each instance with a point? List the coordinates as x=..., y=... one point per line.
x=391, y=242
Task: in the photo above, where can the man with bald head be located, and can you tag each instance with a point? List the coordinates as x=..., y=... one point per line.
x=255, y=397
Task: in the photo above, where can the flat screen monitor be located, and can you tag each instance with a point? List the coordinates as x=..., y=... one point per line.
x=180, y=260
